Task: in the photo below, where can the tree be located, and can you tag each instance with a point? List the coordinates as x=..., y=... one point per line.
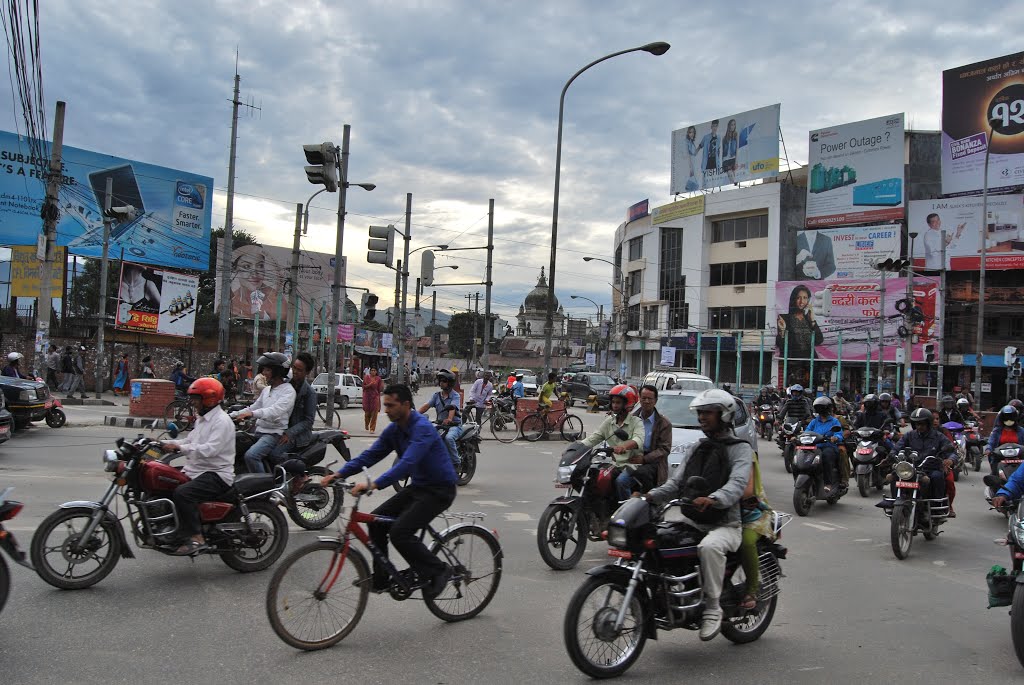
x=84, y=294
x=206, y=314
x=461, y=332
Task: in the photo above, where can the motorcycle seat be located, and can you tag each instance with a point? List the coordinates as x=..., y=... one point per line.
x=327, y=436
x=251, y=483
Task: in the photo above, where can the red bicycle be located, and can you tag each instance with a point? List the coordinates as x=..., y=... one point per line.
x=318, y=593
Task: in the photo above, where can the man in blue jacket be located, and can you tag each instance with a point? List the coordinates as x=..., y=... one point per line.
x=829, y=426
x=424, y=457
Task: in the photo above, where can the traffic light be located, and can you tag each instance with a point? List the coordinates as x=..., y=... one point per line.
x=381, y=245
x=368, y=307
x=427, y=268
x=1015, y=370
x=929, y=353
x=324, y=158
x=893, y=265
x=1009, y=355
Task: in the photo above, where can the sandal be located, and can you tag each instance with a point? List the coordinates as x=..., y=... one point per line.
x=748, y=602
x=189, y=548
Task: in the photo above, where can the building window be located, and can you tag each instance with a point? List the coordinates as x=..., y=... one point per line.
x=671, y=281
x=651, y=319
x=992, y=326
x=743, y=228
x=739, y=273
x=636, y=248
x=736, y=318
x=1016, y=326
x=633, y=318
x=635, y=281
x=618, y=260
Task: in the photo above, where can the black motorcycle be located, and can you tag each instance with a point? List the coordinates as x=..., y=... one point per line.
x=975, y=445
x=468, y=445
x=868, y=456
x=809, y=474
x=911, y=513
x=766, y=420
x=1008, y=459
x=655, y=584
x=785, y=440
x=8, y=510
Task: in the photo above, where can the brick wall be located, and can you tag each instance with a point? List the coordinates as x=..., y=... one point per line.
x=153, y=398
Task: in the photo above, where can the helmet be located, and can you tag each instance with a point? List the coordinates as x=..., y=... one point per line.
x=870, y=402
x=277, y=361
x=1018, y=405
x=920, y=415
x=519, y=376
x=15, y=357
x=962, y=403
x=886, y=397
x=822, y=405
x=796, y=388
x=839, y=392
x=179, y=364
x=727, y=387
x=770, y=387
x=947, y=402
x=209, y=390
x=1008, y=416
x=716, y=399
x=444, y=375
x=626, y=392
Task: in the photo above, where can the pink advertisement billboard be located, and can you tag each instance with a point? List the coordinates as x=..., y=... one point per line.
x=820, y=314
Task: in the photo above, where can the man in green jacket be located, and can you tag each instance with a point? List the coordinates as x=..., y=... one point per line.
x=626, y=450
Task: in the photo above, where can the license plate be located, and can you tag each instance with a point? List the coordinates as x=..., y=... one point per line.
x=907, y=485
x=806, y=447
x=864, y=450
x=620, y=553
x=561, y=485
x=1012, y=461
x=4, y=430
x=1018, y=555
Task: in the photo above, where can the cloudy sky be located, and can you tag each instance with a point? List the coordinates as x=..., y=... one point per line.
x=457, y=102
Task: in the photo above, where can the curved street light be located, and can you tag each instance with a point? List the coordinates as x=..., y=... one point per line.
x=657, y=49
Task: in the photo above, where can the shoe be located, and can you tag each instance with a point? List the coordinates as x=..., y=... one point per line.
x=438, y=583
x=380, y=583
x=190, y=548
x=710, y=625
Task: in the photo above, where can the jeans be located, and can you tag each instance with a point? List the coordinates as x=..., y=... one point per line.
x=453, y=434
x=262, y=449
x=187, y=496
x=624, y=484
x=829, y=462
x=51, y=378
x=413, y=508
x=76, y=384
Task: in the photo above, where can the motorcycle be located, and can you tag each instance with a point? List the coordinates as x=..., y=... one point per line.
x=785, y=440
x=1008, y=459
x=975, y=445
x=308, y=503
x=468, y=445
x=80, y=544
x=766, y=420
x=8, y=510
x=809, y=474
x=1014, y=511
x=581, y=514
x=909, y=513
x=868, y=456
x=655, y=584
x=959, y=434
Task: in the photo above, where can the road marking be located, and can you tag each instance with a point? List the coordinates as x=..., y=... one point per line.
x=939, y=563
x=543, y=452
x=489, y=503
x=863, y=540
x=531, y=531
x=469, y=491
x=811, y=668
x=517, y=516
x=829, y=529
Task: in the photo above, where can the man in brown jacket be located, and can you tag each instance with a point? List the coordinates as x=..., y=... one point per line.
x=653, y=465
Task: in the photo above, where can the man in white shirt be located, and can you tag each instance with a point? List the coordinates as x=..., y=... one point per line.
x=271, y=409
x=480, y=392
x=209, y=451
x=933, y=241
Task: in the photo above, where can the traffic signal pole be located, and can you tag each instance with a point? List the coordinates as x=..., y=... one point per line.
x=337, y=286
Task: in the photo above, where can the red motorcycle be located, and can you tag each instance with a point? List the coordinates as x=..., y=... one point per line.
x=79, y=544
x=8, y=510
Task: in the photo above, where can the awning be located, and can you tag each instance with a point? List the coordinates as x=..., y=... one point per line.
x=989, y=360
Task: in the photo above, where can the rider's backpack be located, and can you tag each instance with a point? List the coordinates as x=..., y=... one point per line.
x=710, y=460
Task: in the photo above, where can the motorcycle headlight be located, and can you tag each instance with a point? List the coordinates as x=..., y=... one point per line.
x=1011, y=451
x=807, y=440
x=109, y=460
x=905, y=470
x=564, y=473
x=617, y=536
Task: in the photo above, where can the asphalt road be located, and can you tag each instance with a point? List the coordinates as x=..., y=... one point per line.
x=849, y=611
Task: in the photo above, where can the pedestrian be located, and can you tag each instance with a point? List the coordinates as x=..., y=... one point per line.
x=147, y=367
x=121, y=379
x=52, y=367
x=79, y=374
x=67, y=369
x=372, y=388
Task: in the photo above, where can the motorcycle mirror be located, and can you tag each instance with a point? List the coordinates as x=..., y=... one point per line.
x=621, y=434
x=172, y=430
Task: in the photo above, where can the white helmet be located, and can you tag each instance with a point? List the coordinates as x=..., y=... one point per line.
x=15, y=357
x=716, y=399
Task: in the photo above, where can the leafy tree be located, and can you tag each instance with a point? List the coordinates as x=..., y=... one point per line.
x=84, y=293
x=460, y=332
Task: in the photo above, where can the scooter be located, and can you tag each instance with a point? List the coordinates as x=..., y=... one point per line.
x=960, y=440
x=8, y=510
x=868, y=457
x=766, y=420
x=809, y=474
x=1009, y=458
x=787, y=434
x=975, y=445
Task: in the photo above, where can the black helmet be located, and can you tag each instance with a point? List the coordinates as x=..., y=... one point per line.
x=885, y=397
x=947, y=402
x=823, y=406
x=1018, y=405
x=920, y=415
x=870, y=402
x=445, y=375
x=277, y=361
x=1008, y=416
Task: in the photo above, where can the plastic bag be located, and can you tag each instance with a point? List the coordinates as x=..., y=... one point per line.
x=1001, y=586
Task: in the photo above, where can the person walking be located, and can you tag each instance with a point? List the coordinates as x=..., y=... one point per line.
x=67, y=369
x=147, y=367
x=52, y=366
x=372, y=387
x=121, y=380
x=78, y=364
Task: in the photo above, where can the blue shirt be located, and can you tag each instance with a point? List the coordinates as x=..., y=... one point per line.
x=422, y=454
x=648, y=430
x=825, y=427
x=517, y=389
x=443, y=406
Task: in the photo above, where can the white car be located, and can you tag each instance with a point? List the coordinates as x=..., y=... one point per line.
x=529, y=385
x=675, y=406
x=348, y=389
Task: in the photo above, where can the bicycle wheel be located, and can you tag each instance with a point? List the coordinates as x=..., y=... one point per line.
x=533, y=427
x=181, y=413
x=318, y=595
x=475, y=557
x=321, y=410
x=503, y=427
x=571, y=427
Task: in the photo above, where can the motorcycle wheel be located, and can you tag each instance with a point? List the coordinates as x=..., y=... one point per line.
x=752, y=624
x=787, y=458
x=956, y=475
x=863, y=483
x=48, y=556
x=55, y=418
x=475, y=556
x=594, y=645
x=5, y=583
x=319, y=507
x=802, y=501
x=900, y=533
x=977, y=460
x=248, y=559
x=561, y=537
x=302, y=611
x=1017, y=622
x=466, y=469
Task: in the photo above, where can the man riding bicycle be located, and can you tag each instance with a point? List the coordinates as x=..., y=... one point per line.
x=424, y=458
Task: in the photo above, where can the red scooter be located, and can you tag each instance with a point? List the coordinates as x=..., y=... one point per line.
x=8, y=510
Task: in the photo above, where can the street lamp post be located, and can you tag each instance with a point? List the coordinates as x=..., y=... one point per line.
x=616, y=276
x=600, y=318
x=659, y=48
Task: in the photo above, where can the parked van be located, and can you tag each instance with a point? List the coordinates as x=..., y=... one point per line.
x=678, y=380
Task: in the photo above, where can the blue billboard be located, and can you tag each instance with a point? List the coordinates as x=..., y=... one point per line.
x=173, y=208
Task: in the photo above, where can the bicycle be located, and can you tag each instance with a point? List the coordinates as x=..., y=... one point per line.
x=500, y=413
x=318, y=593
x=321, y=409
x=537, y=425
x=180, y=411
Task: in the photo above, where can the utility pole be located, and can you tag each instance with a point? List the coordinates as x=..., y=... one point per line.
x=51, y=213
x=881, y=334
x=940, y=347
x=405, y=286
x=907, y=348
x=476, y=318
x=104, y=267
x=433, y=325
x=293, y=292
x=337, y=286
x=488, y=325
x=224, y=332
x=416, y=326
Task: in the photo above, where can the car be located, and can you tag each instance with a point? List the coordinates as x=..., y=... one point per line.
x=348, y=389
x=26, y=400
x=675, y=406
x=529, y=385
x=6, y=421
x=583, y=385
x=678, y=380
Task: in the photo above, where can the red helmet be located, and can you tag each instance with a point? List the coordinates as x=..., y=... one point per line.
x=209, y=390
x=627, y=393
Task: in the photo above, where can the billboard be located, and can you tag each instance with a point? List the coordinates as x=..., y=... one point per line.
x=174, y=208
x=156, y=301
x=973, y=96
x=25, y=281
x=960, y=217
x=828, y=254
x=680, y=209
x=856, y=172
x=820, y=313
x=732, y=149
x=638, y=210
x=259, y=281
